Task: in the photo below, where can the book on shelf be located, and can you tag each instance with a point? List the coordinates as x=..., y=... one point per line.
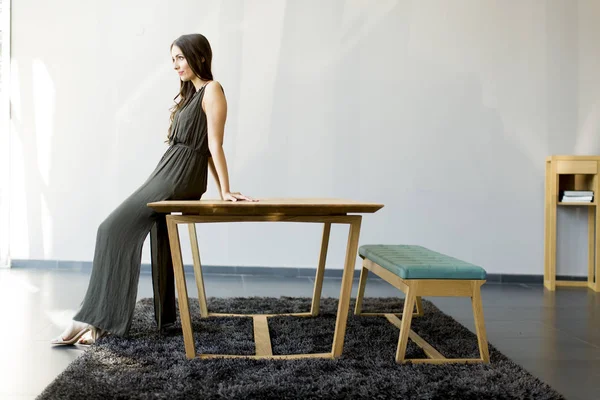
x=577, y=200
x=577, y=193
x=576, y=196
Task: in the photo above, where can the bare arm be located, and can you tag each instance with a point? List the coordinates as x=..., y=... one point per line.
x=215, y=107
x=213, y=171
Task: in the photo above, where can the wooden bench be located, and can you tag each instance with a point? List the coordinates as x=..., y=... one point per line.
x=418, y=271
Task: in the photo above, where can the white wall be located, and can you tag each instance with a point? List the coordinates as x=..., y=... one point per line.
x=443, y=110
x=4, y=135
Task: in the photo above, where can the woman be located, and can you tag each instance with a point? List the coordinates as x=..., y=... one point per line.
x=196, y=143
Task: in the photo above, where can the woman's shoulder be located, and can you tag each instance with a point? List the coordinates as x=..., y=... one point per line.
x=214, y=87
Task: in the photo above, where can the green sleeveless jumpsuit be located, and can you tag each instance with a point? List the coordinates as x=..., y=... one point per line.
x=181, y=174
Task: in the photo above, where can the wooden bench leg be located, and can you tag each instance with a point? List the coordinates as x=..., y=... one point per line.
x=419, y=311
x=479, y=323
x=318, y=289
x=362, y=283
x=409, y=304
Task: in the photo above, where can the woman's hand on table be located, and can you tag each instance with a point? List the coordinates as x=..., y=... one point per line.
x=235, y=196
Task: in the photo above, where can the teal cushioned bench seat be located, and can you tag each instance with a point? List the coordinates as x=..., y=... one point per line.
x=417, y=262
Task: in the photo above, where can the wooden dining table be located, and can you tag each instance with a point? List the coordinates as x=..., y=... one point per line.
x=307, y=210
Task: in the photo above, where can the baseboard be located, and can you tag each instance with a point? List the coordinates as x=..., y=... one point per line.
x=86, y=266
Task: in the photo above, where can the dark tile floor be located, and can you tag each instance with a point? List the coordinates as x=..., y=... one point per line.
x=556, y=336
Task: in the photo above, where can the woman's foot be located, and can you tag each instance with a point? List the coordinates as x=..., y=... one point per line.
x=92, y=335
x=72, y=334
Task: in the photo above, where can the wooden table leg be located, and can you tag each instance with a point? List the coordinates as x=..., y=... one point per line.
x=597, y=249
x=346, y=289
x=184, y=310
x=318, y=289
x=198, y=270
x=547, y=222
x=551, y=285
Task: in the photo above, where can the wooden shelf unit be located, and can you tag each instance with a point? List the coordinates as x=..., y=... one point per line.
x=572, y=173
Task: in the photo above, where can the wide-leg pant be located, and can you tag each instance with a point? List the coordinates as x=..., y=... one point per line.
x=110, y=300
x=163, y=278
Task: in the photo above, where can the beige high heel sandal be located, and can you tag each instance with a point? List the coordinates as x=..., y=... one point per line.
x=93, y=335
x=59, y=340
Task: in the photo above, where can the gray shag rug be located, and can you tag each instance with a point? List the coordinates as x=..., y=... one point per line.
x=147, y=365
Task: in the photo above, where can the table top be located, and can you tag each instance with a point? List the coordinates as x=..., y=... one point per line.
x=267, y=206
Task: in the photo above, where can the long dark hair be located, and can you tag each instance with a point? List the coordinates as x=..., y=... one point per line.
x=196, y=50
